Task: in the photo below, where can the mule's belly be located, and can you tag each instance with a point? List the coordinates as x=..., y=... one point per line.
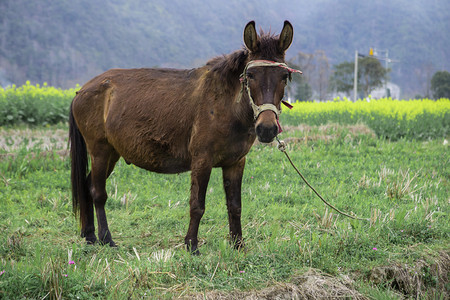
x=162, y=158
x=142, y=147
x=164, y=168
x=154, y=157
x=160, y=163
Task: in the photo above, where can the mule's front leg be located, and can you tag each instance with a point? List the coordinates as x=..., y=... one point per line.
x=232, y=182
x=201, y=171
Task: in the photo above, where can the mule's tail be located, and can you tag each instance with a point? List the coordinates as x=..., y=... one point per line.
x=79, y=167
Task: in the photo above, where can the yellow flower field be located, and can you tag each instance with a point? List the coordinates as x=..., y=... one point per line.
x=423, y=118
x=394, y=119
x=34, y=104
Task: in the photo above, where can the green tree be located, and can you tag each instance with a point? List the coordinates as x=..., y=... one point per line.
x=440, y=84
x=342, y=78
x=303, y=92
x=371, y=74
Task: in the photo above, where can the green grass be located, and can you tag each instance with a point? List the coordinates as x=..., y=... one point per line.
x=401, y=186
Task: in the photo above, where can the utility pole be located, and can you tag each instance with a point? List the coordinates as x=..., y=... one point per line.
x=377, y=54
x=386, y=59
x=355, y=79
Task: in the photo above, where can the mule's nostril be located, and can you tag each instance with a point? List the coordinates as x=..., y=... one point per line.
x=266, y=134
x=275, y=130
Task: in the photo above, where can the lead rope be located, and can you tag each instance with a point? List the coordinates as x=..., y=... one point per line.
x=282, y=148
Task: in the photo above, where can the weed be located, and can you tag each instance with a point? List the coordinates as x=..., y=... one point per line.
x=401, y=186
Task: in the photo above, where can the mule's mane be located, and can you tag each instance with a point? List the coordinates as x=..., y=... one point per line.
x=230, y=66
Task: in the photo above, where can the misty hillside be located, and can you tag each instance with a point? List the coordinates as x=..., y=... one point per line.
x=68, y=42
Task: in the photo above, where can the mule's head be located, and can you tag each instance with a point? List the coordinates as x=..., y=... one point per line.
x=265, y=77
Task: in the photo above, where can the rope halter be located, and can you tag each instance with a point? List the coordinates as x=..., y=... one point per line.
x=257, y=110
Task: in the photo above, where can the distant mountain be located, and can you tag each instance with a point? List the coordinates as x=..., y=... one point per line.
x=68, y=42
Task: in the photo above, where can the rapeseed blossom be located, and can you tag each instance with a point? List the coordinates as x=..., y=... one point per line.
x=423, y=118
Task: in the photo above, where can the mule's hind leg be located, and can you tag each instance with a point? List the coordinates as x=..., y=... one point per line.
x=88, y=227
x=232, y=182
x=101, y=167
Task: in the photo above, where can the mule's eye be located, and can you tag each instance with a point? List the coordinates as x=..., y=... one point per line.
x=250, y=76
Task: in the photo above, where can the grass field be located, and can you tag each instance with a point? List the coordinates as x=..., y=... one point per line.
x=296, y=247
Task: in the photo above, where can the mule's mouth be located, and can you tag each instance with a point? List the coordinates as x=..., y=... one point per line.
x=265, y=140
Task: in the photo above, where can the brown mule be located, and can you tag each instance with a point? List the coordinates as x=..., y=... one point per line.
x=172, y=121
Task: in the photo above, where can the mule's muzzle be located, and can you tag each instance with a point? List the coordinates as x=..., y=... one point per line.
x=266, y=132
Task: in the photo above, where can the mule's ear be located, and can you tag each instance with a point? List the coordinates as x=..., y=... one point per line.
x=286, y=36
x=250, y=36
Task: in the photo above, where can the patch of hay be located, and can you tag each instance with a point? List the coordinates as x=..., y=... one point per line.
x=326, y=133
x=44, y=139
x=310, y=285
x=40, y=143
x=426, y=279
x=422, y=280
x=354, y=130
x=42, y=154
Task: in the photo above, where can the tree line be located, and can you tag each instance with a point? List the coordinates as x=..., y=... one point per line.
x=320, y=80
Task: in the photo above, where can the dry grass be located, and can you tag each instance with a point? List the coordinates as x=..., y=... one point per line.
x=327, y=133
x=355, y=129
x=311, y=285
x=56, y=139
x=44, y=139
x=40, y=142
x=426, y=279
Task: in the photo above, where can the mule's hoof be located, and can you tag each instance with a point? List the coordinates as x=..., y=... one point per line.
x=195, y=252
x=241, y=248
x=90, y=237
x=90, y=242
x=238, y=244
x=109, y=243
